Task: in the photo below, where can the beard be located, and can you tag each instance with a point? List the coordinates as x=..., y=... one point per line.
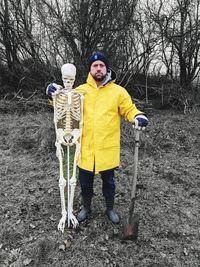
x=99, y=77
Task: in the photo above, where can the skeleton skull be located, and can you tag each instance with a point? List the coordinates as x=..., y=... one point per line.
x=68, y=75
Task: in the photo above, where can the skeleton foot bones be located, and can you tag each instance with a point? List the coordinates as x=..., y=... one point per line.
x=72, y=218
x=68, y=116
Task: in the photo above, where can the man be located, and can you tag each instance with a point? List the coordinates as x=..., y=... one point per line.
x=104, y=103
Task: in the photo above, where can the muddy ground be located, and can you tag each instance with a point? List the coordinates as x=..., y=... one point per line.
x=168, y=194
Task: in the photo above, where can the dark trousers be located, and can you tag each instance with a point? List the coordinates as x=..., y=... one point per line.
x=86, y=180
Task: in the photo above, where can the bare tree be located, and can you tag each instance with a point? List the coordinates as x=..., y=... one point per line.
x=9, y=45
x=178, y=29
x=84, y=26
x=18, y=32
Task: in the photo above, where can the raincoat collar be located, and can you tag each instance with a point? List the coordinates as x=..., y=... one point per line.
x=110, y=77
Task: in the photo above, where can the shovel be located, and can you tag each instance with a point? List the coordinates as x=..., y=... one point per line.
x=130, y=229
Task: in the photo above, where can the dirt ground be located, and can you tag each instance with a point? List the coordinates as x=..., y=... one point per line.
x=168, y=194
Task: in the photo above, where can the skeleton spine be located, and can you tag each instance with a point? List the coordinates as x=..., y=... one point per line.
x=68, y=122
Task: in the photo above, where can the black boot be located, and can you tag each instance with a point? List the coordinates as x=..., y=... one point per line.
x=85, y=211
x=112, y=215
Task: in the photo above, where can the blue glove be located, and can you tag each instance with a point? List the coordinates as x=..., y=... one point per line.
x=52, y=88
x=140, y=121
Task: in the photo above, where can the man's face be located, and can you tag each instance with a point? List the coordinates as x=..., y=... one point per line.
x=98, y=70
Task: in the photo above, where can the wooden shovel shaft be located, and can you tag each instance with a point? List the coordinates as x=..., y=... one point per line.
x=134, y=181
x=130, y=230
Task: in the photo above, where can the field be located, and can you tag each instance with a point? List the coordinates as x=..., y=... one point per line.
x=168, y=195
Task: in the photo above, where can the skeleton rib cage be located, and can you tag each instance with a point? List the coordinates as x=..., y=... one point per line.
x=67, y=106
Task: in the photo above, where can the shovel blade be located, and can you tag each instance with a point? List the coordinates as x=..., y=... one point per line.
x=130, y=230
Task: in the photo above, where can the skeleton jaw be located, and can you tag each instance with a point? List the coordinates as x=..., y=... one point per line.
x=68, y=84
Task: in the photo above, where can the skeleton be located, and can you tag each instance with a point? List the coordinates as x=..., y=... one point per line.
x=68, y=119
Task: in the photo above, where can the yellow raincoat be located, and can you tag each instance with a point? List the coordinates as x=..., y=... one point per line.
x=103, y=107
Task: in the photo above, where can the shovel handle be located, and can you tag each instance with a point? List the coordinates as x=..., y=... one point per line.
x=134, y=181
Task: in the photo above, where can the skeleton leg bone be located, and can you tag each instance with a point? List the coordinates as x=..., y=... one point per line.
x=71, y=183
x=69, y=211
x=62, y=184
x=73, y=186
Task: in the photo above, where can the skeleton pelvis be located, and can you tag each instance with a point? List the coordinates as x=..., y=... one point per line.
x=66, y=138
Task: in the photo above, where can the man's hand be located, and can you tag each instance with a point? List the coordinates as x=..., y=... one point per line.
x=52, y=88
x=140, y=122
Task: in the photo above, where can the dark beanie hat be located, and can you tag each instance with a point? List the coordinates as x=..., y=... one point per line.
x=98, y=56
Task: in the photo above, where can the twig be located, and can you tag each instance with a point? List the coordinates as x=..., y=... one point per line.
x=31, y=95
x=16, y=95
